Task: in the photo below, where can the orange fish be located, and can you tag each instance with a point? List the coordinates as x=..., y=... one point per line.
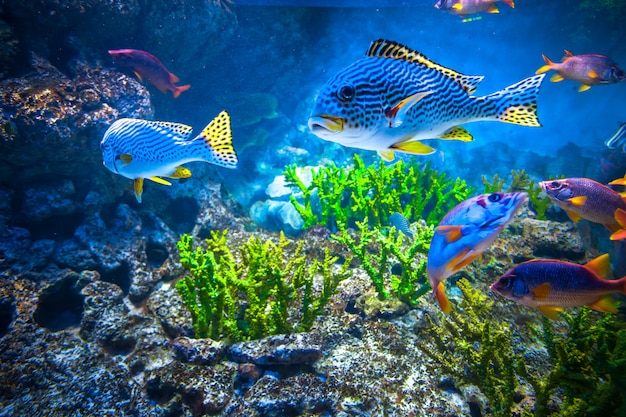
x=465, y=7
x=147, y=67
x=589, y=69
x=620, y=218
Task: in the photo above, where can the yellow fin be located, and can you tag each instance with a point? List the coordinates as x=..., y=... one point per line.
x=578, y=201
x=443, y=301
x=620, y=217
x=619, y=235
x=457, y=133
x=605, y=305
x=413, y=147
x=160, y=180
x=398, y=112
x=387, y=155
x=126, y=158
x=573, y=216
x=543, y=69
x=180, y=172
x=382, y=48
x=138, y=185
x=219, y=137
x=583, y=87
x=556, y=78
x=550, y=312
x=542, y=291
x=457, y=7
x=452, y=233
x=493, y=9
x=619, y=181
x=593, y=74
x=462, y=260
x=600, y=265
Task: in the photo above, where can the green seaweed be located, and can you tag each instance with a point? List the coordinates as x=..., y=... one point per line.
x=378, y=251
x=345, y=195
x=254, y=296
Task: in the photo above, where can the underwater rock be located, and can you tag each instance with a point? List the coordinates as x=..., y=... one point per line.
x=289, y=349
x=372, y=306
x=42, y=202
x=198, y=351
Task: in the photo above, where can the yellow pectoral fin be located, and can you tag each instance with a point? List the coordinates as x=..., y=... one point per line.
x=387, y=155
x=619, y=235
x=605, y=305
x=462, y=260
x=583, y=87
x=556, y=78
x=457, y=133
x=160, y=180
x=444, y=303
x=600, y=265
x=577, y=201
x=414, y=147
x=620, y=217
x=457, y=6
x=452, y=233
x=593, y=74
x=180, y=172
x=551, y=312
x=138, y=184
x=541, y=292
x=573, y=216
x=126, y=158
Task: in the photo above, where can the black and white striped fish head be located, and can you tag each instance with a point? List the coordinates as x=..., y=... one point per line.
x=348, y=109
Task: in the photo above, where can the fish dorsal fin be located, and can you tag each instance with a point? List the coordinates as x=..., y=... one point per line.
x=541, y=292
x=174, y=78
x=452, y=233
x=567, y=54
x=578, y=201
x=177, y=130
x=605, y=305
x=550, y=312
x=601, y=266
x=389, y=49
x=493, y=9
x=619, y=181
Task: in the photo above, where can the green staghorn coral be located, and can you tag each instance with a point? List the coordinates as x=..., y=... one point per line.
x=254, y=296
x=345, y=195
x=377, y=253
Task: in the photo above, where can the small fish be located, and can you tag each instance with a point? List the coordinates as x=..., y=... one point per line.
x=618, y=139
x=139, y=149
x=551, y=285
x=147, y=67
x=583, y=198
x=465, y=233
x=401, y=224
x=395, y=97
x=588, y=69
x=465, y=7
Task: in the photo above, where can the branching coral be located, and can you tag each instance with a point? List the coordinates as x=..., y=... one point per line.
x=337, y=196
x=377, y=253
x=254, y=297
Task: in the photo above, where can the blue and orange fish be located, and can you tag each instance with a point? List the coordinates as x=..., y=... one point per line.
x=584, y=198
x=139, y=149
x=466, y=7
x=147, y=67
x=465, y=233
x=588, y=69
x=551, y=285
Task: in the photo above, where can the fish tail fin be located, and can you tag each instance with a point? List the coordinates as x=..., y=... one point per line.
x=218, y=136
x=515, y=104
x=440, y=294
x=549, y=65
x=620, y=218
x=179, y=89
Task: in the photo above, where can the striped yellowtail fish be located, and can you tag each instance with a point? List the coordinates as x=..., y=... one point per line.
x=395, y=97
x=139, y=149
x=618, y=140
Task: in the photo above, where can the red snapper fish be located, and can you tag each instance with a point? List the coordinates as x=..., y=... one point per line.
x=465, y=233
x=465, y=7
x=147, y=67
x=583, y=198
x=588, y=69
x=551, y=285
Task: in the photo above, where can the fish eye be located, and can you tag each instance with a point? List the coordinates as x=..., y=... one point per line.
x=346, y=92
x=495, y=197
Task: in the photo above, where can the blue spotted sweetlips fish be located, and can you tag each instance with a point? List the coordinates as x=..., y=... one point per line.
x=139, y=149
x=551, y=285
x=395, y=97
x=465, y=233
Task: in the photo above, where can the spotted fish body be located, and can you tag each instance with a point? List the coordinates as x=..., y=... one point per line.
x=465, y=233
x=395, y=97
x=551, y=285
x=139, y=149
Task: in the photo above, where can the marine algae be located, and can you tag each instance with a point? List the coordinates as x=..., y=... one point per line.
x=337, y=197
x=254, y=292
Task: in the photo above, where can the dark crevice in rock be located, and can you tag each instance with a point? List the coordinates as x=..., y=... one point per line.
x=156, y=253
x=60, y=306
x=7, y=313
x=181, y=214
x=120, y=276
x=160, y=392
x=58, y=227
x=121, y=347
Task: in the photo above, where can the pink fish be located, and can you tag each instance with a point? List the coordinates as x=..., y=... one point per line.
x=589, y=69
x=551, y=285
x=147, y=67
x=466, y=232
x=583, y=198
x=465, y=7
